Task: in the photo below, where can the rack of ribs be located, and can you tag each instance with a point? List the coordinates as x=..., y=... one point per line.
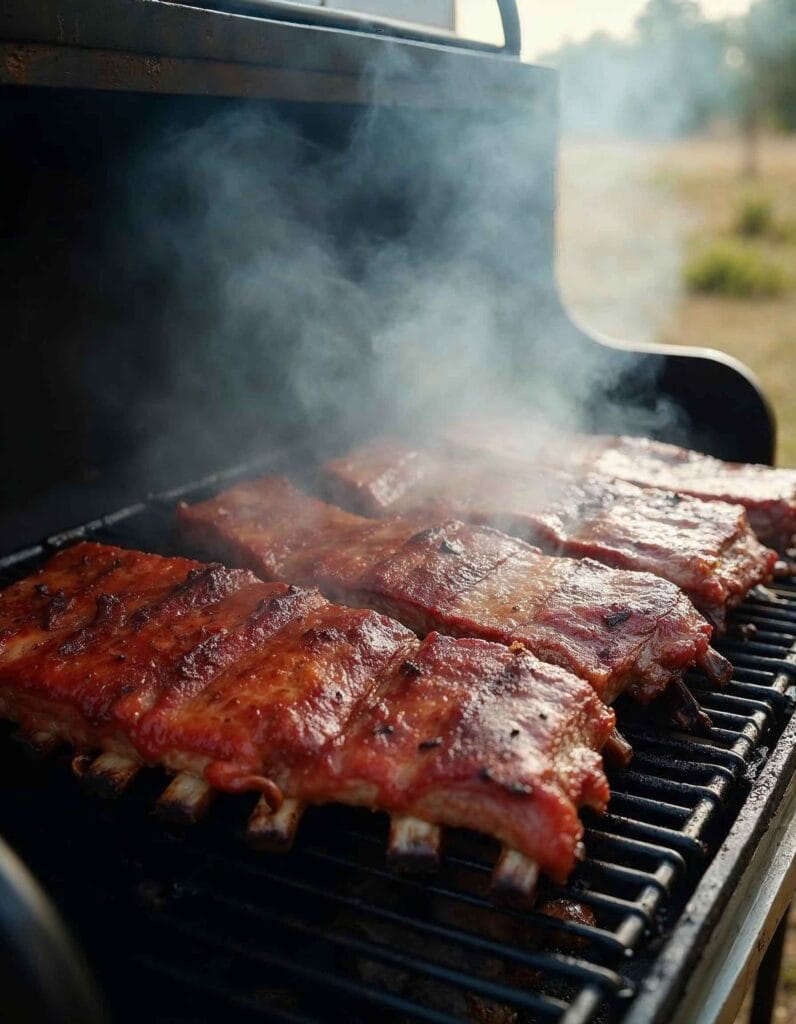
x=768, y=494
x=237, y=685
x=706, y=548
x=621, y=631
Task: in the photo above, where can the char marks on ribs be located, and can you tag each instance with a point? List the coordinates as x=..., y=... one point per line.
x=768, y=494
x=269, y=687
x=619, y=630
x=705, y=548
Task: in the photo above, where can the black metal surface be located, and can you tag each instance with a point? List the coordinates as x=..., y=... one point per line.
x=42, y=975
x=512, y=27
x=202, y=928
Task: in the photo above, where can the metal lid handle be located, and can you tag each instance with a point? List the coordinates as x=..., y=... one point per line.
x=512, y=30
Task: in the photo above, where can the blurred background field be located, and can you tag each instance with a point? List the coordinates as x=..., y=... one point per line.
x=670, y=241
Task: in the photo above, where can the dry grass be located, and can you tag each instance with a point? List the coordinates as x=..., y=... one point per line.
x=630, y=215
x=760, y=332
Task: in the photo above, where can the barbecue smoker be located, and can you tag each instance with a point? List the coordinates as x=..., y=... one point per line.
x=690, y=872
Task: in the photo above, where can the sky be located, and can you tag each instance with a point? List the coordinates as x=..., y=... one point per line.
x=548, y=23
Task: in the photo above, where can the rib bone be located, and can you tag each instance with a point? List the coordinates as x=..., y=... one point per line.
x=414, y=845
x=716, y=667
x=185, y=799
x=617, y=750
x=686, y=712
x=514, y=879
x=107, y=776
x=37, y=744
x=274, y=830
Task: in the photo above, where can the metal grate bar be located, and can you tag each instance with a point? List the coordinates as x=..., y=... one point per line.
x=758, y=710
x=227, y=994
x=701, y=750
x=629, y=802
x=776, y=666
x=675, y=787
x=597, y=936
x=734, y=649
x=370, y=949
x=641, y=829
x=566, y=966
x=754, y=683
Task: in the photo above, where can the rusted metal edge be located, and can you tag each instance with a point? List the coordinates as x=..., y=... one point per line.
x=40, y=64
x=37, y=64
x=170, y=34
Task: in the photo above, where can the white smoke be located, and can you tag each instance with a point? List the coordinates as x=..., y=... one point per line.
x=402, y=279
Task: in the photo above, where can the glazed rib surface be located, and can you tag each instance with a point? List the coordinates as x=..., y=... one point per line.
x=269, y=687
x=705, y=548
x=618, y=630
x=768, y=494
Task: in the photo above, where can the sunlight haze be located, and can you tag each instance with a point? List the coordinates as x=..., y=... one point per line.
x=547, y=25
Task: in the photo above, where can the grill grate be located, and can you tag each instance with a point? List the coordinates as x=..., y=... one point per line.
x=327, y=932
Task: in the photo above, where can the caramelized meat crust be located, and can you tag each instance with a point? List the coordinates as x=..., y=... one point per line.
x=706, y=548
x=419, y=741
x=618, y=630
x=143, y=629
x=269, y=687
x=767, y=494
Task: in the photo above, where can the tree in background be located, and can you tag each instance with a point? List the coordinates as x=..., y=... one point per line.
x=682, y=56
x=771, y=52
x=680, y=71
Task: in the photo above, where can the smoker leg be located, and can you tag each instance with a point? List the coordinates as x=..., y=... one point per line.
x=765, y=992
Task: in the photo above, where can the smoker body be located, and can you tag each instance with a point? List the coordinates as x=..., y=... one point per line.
x=119, y=385
x=112, y=392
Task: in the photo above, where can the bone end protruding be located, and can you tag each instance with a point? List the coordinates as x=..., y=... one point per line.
x=414, y=845
x=617, y=750
x=716, y=667
x=514, y=879
x=274, y=831
x=108, y=775
x=37, y=743
x=185, y=800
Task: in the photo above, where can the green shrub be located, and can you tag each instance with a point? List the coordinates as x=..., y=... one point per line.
x=730, y=269
x=755, y=217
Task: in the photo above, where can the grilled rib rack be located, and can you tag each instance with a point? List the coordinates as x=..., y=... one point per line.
x=190, y=925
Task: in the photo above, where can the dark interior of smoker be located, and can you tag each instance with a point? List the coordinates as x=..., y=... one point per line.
x=185, y=926
x=113, y=375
